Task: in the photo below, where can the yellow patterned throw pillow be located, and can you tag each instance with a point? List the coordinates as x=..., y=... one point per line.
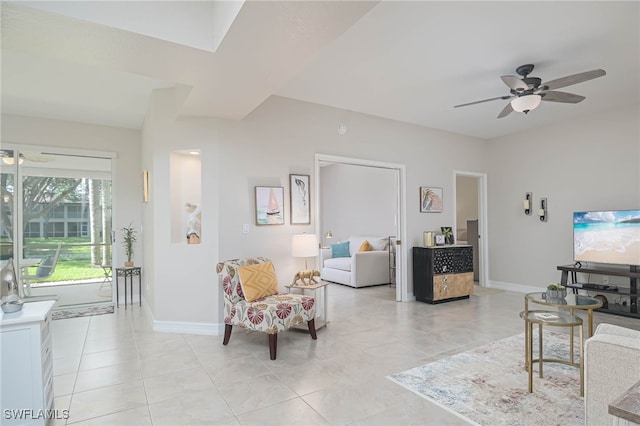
x=365, y=246
x=258, y=281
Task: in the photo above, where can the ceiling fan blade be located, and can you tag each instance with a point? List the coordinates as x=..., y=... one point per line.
x=514, y=82
x=568, y=98
x=484, y=100
x=574, y=79
x=506, y=111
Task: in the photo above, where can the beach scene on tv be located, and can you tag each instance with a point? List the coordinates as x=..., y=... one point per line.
x=607, y=237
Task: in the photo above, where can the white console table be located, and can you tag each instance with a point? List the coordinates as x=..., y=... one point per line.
x=27, y=365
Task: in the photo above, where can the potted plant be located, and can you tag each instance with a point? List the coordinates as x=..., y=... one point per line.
x=128, y=241
x=556, y=291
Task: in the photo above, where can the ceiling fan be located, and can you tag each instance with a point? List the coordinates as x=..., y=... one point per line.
x=527, y=92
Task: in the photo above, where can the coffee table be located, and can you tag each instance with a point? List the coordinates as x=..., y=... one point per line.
x=571, y=302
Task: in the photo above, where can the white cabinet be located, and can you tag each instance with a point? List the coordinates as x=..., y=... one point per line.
x=27, y=365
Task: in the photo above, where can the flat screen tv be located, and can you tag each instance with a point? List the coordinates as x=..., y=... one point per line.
x=607, y=237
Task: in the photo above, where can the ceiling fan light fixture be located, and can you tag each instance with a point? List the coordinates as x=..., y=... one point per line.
x=526, y=103
x=11, y=161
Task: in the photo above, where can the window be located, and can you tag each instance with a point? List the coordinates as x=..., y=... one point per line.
x=57, y=212
x=33, y=230
x=74, y=211
x=74, y=229
x=54, y=229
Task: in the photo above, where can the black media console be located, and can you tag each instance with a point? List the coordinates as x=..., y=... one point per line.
x=630, y=310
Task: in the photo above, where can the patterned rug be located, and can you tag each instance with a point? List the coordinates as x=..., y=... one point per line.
x=488, y=385
x=82, y=312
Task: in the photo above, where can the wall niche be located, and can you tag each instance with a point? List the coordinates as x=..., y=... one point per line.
x=186, y=196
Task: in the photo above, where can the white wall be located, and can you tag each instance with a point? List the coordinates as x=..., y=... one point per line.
x=585, y=164
x=183, y=295
x=591, y=163
x=282, y=136
x=357, y=200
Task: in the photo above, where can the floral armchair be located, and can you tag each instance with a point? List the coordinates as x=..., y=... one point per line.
x=270, y=314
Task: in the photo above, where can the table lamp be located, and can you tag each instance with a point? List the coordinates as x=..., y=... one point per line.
x=305, y=245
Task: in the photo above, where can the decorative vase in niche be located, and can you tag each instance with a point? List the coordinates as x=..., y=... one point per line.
x=11, y=301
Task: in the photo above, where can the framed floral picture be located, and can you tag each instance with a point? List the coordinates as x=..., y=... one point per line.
x=269, y=205
x=430, y=199
x=300, y=203
x=447, y=231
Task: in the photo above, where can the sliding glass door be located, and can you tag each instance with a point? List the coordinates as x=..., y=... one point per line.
x=58, y=218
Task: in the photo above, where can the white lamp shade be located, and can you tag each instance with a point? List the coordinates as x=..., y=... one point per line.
x=526, y=103
x=304, y=245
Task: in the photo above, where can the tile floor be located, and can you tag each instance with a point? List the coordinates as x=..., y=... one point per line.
x=114, y=370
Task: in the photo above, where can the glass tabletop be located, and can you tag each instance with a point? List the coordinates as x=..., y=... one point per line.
x=554, y=318
x=570, y=301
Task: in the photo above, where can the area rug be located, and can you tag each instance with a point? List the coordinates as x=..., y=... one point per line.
x=81, y=312
x=488, y=385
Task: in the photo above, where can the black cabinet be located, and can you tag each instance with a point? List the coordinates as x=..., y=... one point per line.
x=442, y=274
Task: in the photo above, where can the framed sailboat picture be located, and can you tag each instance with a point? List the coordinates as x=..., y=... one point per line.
x=269, y=205
x=299, y=192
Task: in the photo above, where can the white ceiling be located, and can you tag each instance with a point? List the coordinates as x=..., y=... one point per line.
x=406, y=61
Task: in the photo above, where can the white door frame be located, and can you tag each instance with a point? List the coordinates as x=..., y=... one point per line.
x=483, y=243
x=401, y=227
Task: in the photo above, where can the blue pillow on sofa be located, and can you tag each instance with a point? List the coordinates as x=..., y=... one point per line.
x=340, y=249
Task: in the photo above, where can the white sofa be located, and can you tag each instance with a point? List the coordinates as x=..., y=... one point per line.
x=360, y=269
x=612, y=366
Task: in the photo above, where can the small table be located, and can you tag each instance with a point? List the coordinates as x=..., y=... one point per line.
x=554, y=319
x=315, y=286
x=626, y=407
x=580, y=302
x=129, y=273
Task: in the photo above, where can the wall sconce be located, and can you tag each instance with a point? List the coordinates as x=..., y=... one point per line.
x=328, y=236
x=526, y=204
x=542, y=212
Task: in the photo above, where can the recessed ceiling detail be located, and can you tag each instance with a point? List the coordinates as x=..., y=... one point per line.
x=197, y=24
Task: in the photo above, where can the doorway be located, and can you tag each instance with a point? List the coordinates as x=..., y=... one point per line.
x=470, y=197
x=56, y=223
x=398, y=171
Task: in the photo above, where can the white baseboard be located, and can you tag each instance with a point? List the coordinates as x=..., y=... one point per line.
x=519, y=288
x=209, y=329
x=183, y=327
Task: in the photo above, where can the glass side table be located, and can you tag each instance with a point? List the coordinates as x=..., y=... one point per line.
x=571, y=302
x=553, y=319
